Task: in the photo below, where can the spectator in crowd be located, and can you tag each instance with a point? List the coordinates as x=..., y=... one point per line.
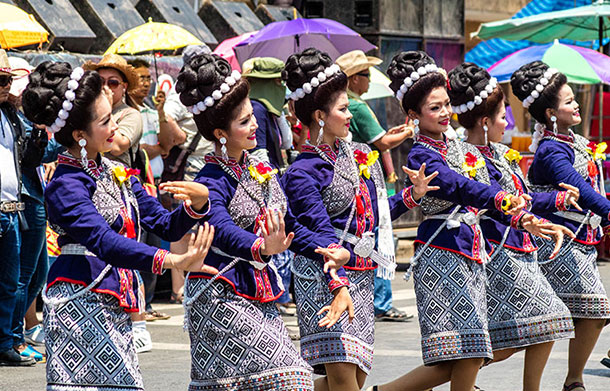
x=186, y=159
x=365, y=128
x=16, y=153
x=123, y=80
x=267, y=94
x=158, y=136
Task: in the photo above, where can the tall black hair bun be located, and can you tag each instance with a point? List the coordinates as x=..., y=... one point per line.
x=200, y=77
x=43, y=97
x=466, y=81
x=302, y=67
x=405, y=63
x=525, y=79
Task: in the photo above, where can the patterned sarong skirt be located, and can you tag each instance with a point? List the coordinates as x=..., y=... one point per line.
x=344, y=342
x=574, y=276
x=452, y=307
x=239, y=344
x=522, y=307
x=89, y=343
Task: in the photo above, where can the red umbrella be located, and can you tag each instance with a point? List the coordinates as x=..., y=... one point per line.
x=225, y=49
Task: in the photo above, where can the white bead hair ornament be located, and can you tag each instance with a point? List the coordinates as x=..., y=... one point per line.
x=216, y=95
x=478, y=99
x=67, y=105
x=413, y=77
x=307, y=87
x=543, y=82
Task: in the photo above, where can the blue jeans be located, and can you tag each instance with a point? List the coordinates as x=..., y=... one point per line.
x=282, y=262
x=10, y=241
x=383, y=295
x=34, y=263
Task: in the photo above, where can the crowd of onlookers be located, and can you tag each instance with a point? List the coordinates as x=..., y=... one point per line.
x=158, y=136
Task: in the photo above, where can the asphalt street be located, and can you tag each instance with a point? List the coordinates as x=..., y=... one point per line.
x=397, y=350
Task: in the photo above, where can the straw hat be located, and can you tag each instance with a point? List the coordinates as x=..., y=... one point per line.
x=356, y=61
x=117, y=62
x=6, y=69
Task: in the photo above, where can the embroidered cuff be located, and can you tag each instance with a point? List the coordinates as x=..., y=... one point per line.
x=158, y=260
x=256, y=250
x=560, y=201
x=502, y=201
x=332, y=245
x=515, y=221
x=407, y=198
x=196, y=215
x=334, y=284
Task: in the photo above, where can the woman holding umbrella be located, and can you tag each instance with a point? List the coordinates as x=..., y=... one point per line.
x=561, y=156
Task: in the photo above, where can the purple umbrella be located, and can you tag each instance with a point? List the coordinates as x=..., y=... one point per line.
x=281, y=39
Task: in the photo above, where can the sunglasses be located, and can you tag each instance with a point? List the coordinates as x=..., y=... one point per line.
x=112, y=83
x=365, y=74
x=5, y=80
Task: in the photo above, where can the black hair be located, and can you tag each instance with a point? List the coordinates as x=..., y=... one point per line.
x=524, y=81
x=139, y=63
x=198, y=79
x=402, y=66
x=466, y=81
x=300, y=69
x=43, y=98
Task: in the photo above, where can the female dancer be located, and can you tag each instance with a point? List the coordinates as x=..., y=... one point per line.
x=564, y=157
x=523, y=310
x=339, y=186
x=448, y=272
x=238, y=339
x=98, y=209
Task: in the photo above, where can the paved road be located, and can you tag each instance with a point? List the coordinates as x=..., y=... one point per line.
x=396, y=351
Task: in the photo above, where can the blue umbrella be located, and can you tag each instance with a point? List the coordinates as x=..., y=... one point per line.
x=281, y=39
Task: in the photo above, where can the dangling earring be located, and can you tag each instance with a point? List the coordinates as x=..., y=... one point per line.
x=554, y=121
x=319, y=140
x=223, y=148
x=83, y=153
x=485, y=128
x=416, y=126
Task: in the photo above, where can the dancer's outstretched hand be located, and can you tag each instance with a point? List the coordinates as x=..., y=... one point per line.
x=193, y=259
x=518, y=203
x=193, y=194
x=335, y=259
x=546, y=230
x=421, y=182
x=274, y=233
x=573, y=194
x=342, y=302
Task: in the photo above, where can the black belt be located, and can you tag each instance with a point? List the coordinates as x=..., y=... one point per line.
x=11, y=206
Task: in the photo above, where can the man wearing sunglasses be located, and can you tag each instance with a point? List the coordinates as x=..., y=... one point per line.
x=365, y=128
x=16, y=152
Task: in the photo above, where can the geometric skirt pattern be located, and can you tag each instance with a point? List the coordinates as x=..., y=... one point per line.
x=344, y=341
x=240, y=344
x=452, y=307
x=522, y=307
x=575, y=278
x=89, y=343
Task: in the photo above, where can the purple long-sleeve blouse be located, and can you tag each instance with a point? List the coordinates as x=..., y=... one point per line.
x=97, y=222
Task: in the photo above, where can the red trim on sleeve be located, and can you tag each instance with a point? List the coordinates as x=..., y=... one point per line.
x=159, y=260
x=407, y=198
x=560, y=200
x=499, y=198
x=514, y=221
x=334, y=284
x=256, y=250
x=196, y=215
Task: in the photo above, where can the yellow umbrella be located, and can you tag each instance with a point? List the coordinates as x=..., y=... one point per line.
x=18, y=28
x=152, y=36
